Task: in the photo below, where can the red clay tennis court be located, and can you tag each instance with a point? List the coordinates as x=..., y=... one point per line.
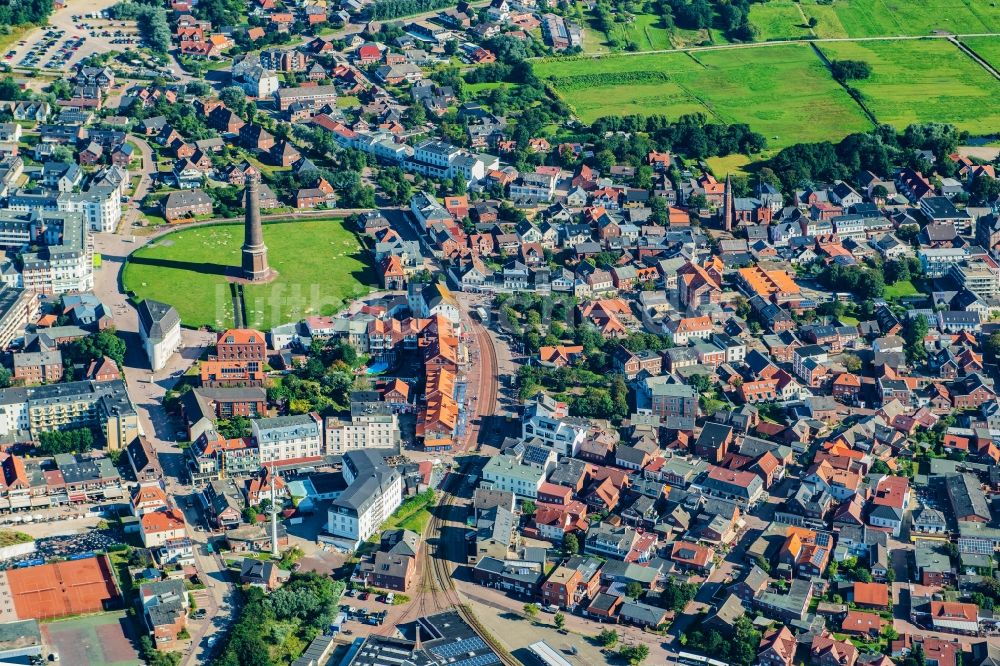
x=62, y=588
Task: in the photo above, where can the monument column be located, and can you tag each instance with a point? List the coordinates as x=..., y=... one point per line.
x=255, y=268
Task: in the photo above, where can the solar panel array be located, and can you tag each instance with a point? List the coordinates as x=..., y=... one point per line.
x=480, y=660
x=463, y=646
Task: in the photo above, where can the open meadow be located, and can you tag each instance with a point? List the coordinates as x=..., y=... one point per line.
x=320, y=265
x=645, y=31
x=779, y=19
x=988, y=48
x=782, y=91
x=890, y=18
x=949, y=87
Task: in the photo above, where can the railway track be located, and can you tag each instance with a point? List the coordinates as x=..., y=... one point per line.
x=437, y=584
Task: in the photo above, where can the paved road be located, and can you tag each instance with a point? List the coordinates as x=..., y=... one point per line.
x=132, y=212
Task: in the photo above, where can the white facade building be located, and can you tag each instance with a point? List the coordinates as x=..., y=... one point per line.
x=286, y=438
x=374, y=491
x=371, y=425
x=160, y=331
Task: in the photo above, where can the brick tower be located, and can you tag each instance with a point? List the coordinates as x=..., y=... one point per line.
x=255, y=268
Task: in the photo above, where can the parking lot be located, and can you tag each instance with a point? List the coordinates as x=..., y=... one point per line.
x=74, y=32
x=52, y=51
x=69, y=545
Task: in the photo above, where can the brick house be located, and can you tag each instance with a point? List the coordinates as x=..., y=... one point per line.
x=186, y=203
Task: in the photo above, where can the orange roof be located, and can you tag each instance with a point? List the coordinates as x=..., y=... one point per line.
x=847, y=379
x=678, y=216
x=399, y=386
x=955, y=610
x=392, y=265
x=255, y=33
x=162, y=521
x=768, y=463
x=691, y=553
x=148, y=493
x=765, y=283
x=871, y=594
x=859, y=622
x=891, y=491
x=689, y=324
x=692, y=273
x=735, y=477
x=240, y=336
x=549, y=354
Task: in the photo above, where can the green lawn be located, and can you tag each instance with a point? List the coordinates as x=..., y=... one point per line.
x=417, y=522
x=320, y=263
x=877, y=18
x=900, y=289
x=10, y=39
x=782, y=91
x=646, y=31
x=474, y=88
x=988, y=48
x=949, y=87
x=778, y=19
x=730, y=164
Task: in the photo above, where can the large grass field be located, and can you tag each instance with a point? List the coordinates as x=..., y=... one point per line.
x=779, y=19
x=947, y=86
x=878, y=18
x=320, y=265
x=646, y=31
x=988, y=48
x=782, y=91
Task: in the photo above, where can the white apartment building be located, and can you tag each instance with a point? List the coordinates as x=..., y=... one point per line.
x=370, y=426
x=374, y=491
x=562, y=434
x=505, y=472
x=288, y=438
x=66, y=260
x=101, y=207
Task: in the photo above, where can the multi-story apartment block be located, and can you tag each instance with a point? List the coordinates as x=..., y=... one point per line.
x=546, y=420
x=104, y=405
x=41, y=367
x=289, y=438
x=374, y=491
x=979, y=275
x=370, y=426
x=18, y=308
x=65, y=259
x=508, y=473
x=670, y=400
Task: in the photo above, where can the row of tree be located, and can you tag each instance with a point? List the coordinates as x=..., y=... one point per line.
x=151, y=19
x=690, y=136
x=21, y=12
x=878, y=151
x=381, y=10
